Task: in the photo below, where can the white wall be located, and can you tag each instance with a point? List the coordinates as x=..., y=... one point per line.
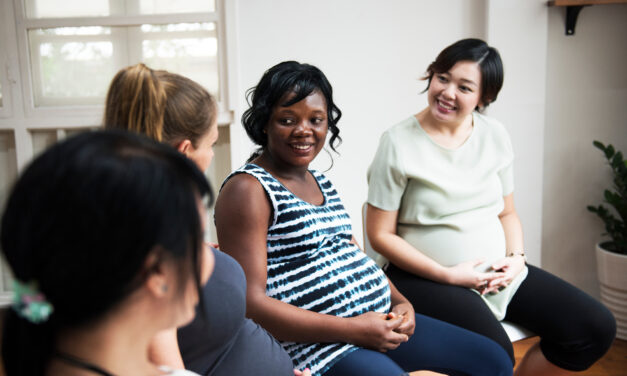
x=374, y=53
x=519, y=30
x=586, y=100
x=560, y=93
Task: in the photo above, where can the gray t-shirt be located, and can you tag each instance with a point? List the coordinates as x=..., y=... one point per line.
x=222, y=341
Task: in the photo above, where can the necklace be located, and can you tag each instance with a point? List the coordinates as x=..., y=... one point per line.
x=80, y=363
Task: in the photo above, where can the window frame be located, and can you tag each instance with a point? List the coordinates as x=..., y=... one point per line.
x=19, y=115
x=24, y=24
x=4, y=84
x=6, y=74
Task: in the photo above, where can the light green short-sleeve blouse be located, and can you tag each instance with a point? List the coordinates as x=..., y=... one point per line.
x=448, y=201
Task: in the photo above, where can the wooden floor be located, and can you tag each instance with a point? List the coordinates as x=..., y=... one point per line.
x=614, y=363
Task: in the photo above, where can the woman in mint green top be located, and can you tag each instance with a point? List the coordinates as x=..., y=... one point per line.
x=447, y=221
x=441, y=211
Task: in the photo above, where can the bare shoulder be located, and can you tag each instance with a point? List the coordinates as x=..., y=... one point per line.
x=242, y=216
x=242, y=186
x=242, y=196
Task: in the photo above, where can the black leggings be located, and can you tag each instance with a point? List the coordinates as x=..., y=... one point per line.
x=575, y=329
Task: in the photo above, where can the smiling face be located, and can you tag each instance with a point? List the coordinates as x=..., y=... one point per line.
x=297, y=133
x=453, y=95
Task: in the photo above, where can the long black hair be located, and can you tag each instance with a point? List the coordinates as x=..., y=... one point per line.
x=278, y=81
x=80, y=223
x=477, y=51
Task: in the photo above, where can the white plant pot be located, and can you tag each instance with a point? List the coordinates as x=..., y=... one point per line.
x=612, y=273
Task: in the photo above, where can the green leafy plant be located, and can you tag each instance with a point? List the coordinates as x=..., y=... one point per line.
x=617, y=199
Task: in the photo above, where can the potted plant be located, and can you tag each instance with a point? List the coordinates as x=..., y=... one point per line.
x=612, y=254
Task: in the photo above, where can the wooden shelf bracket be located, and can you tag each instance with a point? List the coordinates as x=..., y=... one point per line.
x=573, y=7
x=572, y=12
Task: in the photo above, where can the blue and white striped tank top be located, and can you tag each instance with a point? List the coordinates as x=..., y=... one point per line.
x=313, y=265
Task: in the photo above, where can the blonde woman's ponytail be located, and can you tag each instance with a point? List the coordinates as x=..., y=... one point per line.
x=164, y=106
x=136, y=102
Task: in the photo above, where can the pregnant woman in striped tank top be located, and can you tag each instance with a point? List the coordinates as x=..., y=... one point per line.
x=309, y=284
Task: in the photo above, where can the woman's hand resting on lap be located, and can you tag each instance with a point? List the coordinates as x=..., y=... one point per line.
x=406, y=312
x=511, y=267
x=376, y=331
x=465, y=275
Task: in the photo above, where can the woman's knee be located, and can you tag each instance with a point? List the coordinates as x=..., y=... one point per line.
x=483, y=357
x=454, y=350
x=364, y=362
x=499, y=361
x=603, y=330
x=591, y=338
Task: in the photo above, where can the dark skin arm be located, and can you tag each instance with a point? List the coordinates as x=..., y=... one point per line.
x=242, y=215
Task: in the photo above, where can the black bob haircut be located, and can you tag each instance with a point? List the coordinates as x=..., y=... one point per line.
x=477, y=51
x=275, y=84
x=80, y=223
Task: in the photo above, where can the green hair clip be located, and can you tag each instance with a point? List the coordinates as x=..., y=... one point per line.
x=30, y=303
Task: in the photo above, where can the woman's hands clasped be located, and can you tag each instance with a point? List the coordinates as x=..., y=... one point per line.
x=510, y=267
x=503, y=272
x=465, y=275
x=406, y=311
x=383, y=332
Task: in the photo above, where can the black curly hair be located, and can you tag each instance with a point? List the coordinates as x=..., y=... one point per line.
x=278, y=81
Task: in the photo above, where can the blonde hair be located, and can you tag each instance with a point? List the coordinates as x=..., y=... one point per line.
x=164, y=106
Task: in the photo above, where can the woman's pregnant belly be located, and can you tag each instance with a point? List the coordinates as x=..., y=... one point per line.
x=450, y=246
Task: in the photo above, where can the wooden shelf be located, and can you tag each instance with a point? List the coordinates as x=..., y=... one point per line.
x=573, y=7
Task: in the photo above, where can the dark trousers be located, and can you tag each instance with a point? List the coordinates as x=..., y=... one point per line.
x=435, y=346
x=575, y=329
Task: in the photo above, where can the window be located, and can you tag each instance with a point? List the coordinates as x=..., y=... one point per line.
x=56, y=63
x=73, y=51
x=8, y=171
x=100, y=8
